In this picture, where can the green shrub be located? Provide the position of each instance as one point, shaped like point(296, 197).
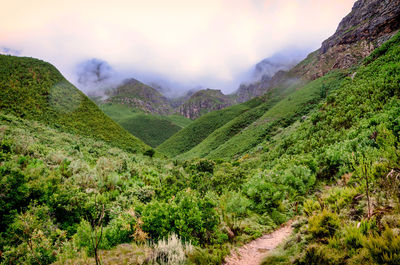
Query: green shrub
point(191, 218)
point(323, 225)
point(149, 152)
point(34, 238)
point(311, 206)
point(339, 198)
point(320, 254)
point(384, 249)
point(353, 238)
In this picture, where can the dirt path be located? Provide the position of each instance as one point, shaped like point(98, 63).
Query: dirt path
point(254, 252)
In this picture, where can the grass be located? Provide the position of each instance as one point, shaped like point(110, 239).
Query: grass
point(152, 129)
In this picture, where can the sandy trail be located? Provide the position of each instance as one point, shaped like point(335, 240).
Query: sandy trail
point(254, 252)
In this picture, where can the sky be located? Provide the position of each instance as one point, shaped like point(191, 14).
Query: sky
point(208, 43)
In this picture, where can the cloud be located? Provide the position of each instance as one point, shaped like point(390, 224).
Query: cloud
point(208, 42)
point(9, 51)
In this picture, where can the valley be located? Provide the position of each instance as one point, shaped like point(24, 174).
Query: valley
point(300, 166)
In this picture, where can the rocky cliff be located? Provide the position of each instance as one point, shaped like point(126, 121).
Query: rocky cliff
point(369, 24)
point(252, 90)
point(204, 101)
point(137, 95)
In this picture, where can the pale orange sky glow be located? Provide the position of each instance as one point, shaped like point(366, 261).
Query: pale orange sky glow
point(208, 42)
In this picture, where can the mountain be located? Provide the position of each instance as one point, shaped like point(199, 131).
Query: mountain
point(142, 111)
point(369, 25)
point(265, 73)
point(33, 89)
point(204, 101)
point(295, 89)
point(135, 94)
point(260, 87)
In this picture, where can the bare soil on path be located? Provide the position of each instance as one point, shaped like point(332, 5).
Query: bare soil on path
point(255, 251)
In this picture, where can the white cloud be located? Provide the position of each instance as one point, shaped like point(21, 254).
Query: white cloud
point(208, 42)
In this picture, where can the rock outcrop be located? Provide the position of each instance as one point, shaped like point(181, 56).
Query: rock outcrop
point(369, 25)
point(137, 95)
point(204, 101)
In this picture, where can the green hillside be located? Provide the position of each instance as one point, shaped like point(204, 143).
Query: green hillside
point(33, 89)
point(352, 138)
point(152, 129)
point(198, 130)
point(281, 115)
point(239, 123)
point(213, 129)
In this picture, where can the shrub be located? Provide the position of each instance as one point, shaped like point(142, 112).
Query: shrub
point(317, 254)
point(191, 218)
point(310, 206)
point(384, 249)
point(204, 165)
point(84, 237)
point(149, 152)
point(353, 237)
point(339, 197)
point(34, 239)
point(264, 194)
point(323, 225)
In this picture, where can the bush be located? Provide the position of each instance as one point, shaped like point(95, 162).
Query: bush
point(149, 152)
point(191, 218)
point(384, 249)
point(310, 207)
point(317, 254)
point(34, 239)
point(323, 225)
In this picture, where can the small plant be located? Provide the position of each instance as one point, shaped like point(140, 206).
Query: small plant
point(171, 251)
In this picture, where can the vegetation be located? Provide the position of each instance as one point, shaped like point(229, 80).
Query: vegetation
point(216, 128)
point(293, 108)
point(355, 135)
point(328, 153)
point(196, 132)
point(152, 129)
point(33, 89)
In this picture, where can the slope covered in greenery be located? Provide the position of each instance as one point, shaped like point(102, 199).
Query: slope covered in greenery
point(242, 121)
point(281, 115)
point(152, 129)
point(353, 138)
point(34, 89)
point(227, 121)
point(198, 130)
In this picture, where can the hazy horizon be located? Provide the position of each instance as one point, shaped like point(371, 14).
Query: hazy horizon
point(184, 44)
